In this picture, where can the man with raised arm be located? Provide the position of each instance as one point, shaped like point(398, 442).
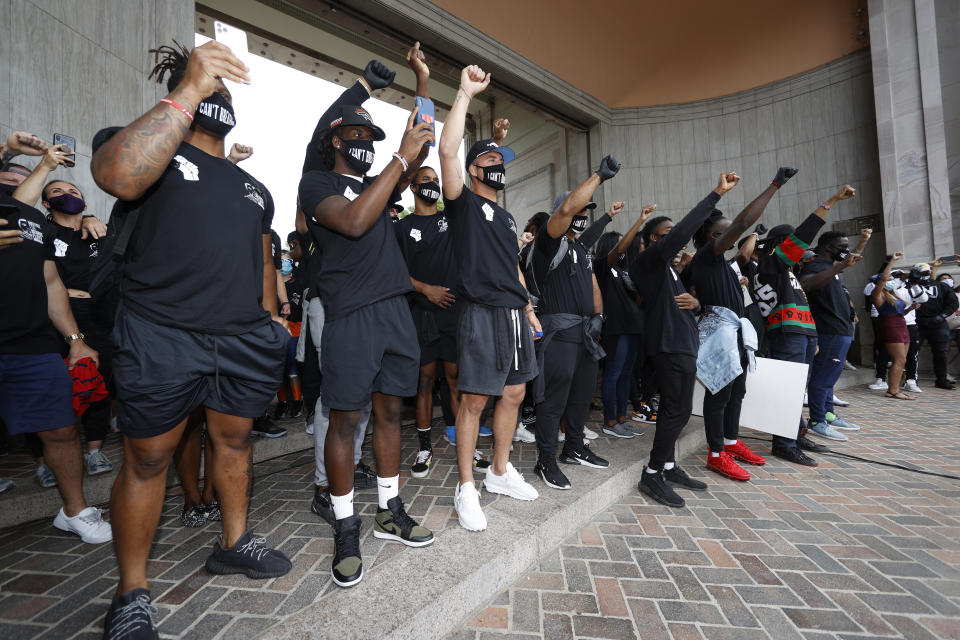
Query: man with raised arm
point(369, 347)
point(791, 330)
point(495, 354)
point(187, 336)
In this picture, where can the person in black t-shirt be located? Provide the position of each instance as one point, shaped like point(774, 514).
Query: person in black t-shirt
point(791, 332)
point(717, 287)
point(830, 305)
point(624, 322)
point(369, 344)
point(571, 314)
point(671, 339)
point(427, 246)
point(494, 342)
point(187, 336)
point(289, 397)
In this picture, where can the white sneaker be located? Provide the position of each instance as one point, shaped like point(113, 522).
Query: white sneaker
point(837, 402)
point(879, 385)
point(805, 403)
point(466, 500)
point(510, 484)
point(522, 434)
point(590, 434)
point(88, 524)
point(912, 386)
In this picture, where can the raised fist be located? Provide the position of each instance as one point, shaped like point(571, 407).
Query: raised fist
point(209, 63)
point(378, 75)
point(473, 80)
point(615, 208)
point(846, 193)
point(417, 61)
point(897, 255)
point(784, 174)
point(728, 180)
point(609, 167)
point(761, 230)
point(866, 233)
point(500, 128)
point(239, 152)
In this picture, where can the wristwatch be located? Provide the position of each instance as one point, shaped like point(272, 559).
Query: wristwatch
point(73, 337)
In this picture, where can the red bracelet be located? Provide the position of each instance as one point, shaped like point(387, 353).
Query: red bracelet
point(179, 107)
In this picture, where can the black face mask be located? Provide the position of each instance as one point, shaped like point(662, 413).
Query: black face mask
point(429, 192)
point(494, 176)
point(359, 155)
point(839, 255)
point(578, 224)
point(215, 114)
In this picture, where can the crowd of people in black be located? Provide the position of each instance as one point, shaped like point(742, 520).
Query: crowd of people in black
point(367, 307)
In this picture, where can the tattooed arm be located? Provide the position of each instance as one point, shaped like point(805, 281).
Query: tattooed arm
point(135, 157)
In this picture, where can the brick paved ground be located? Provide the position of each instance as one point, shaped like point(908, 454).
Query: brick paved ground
point(847, 550)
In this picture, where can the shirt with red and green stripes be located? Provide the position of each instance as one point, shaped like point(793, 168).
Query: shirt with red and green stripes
point(776, 289)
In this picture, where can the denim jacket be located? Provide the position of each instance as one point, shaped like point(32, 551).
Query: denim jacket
point(719, 356)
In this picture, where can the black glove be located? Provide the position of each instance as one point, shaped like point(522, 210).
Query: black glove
point(761, 230)
point(784, 174)
point(377, 75)
point(609, 167)
point(595, 325)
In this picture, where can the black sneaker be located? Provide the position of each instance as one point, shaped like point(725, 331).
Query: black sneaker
point(528, 416)
point(130, 617)
point(678, 477)
point(280, 411)
point(249, 556)
point(193, 517)
point(212, 511)
point(364, 477)
point(264, 427)
point(295, 410)
point(323, 506)
point(480, 463)
point(655, 486)
point(393, 523)
point(551, 475)
point(583, 456)
point(946, 384)
point(807, 444)
point(794, 455)
point(421, 467)
point(347, 566)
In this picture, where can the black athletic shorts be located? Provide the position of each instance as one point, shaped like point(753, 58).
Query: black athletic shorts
point(494, 349)
point(163, 373)
point(371, 350)
point(436, 333)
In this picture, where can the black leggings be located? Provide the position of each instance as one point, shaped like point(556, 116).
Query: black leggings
point(676, 374)
point(570, 378)
point(721, 412)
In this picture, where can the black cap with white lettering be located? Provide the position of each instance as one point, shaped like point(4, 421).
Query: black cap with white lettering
point(484, 147)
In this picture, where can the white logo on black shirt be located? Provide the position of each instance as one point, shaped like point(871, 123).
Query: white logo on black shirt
point(487, 211)
point(59, 248)
point(415, 234)
point(94, 250)
point(30, 230)
point(349, 194)
point(442, 224)
point(189, 170)
point(253, 194)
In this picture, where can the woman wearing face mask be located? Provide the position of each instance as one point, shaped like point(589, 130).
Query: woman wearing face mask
point(624, 325)
point(893, 327)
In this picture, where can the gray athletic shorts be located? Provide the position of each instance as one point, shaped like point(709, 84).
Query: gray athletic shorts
point(494, 349)
point(371, 350)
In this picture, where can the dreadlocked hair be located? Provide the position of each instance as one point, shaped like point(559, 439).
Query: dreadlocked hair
point(702, 235)
point(170, 60)
point(325, 148)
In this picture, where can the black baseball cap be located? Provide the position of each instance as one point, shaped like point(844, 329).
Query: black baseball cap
point(563, 196)
point(352, 115)
point(483, 147)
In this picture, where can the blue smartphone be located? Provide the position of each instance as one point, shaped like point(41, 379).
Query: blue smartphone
point(425, 114)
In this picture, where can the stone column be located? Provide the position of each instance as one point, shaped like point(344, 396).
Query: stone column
point(910, 130)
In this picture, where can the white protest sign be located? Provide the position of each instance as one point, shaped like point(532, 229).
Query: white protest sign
point(774, 400)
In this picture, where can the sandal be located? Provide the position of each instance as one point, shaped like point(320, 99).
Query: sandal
point(900, 396)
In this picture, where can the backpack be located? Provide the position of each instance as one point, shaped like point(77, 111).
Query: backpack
point(108, 266)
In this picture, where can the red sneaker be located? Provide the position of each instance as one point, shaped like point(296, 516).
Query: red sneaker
point(742, 452)
point(725, 466)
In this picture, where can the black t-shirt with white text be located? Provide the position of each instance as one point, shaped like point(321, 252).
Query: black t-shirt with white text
point(353, 272)
point(74, 256)
point(25, 325)
point(486, 243)
point(830, 305)
point(195, 260)
point(714, 280)
point(276, 249)
point(428, 249)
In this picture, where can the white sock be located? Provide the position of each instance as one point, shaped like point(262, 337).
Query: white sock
point(649, 470)
point(714, 454)
point(387, 489)
point(728, 442)
point(342, 505)
point(669, 465)
point(423, 428)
